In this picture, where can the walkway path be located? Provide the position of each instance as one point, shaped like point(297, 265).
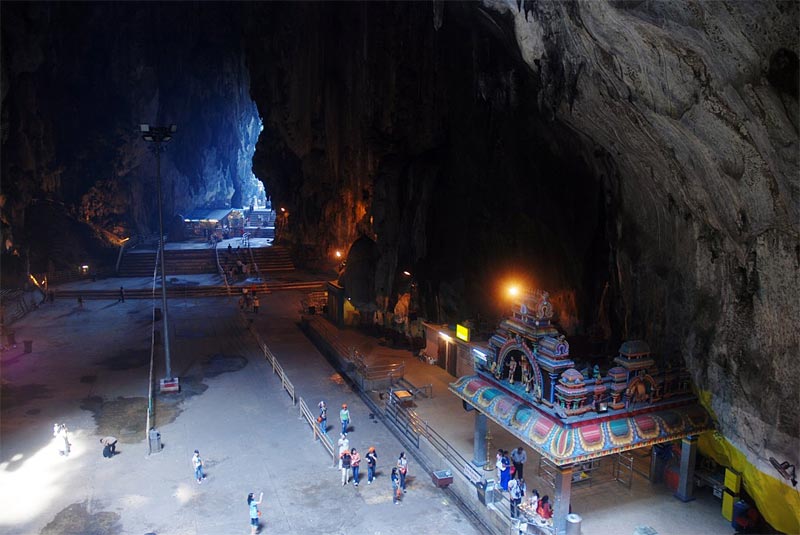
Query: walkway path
point(89, 370)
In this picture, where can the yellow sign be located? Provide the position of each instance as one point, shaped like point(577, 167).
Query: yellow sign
point(462, 333)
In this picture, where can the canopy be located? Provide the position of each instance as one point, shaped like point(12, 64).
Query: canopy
point(565, 444)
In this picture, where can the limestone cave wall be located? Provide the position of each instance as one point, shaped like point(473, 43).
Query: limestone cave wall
point(77, 80)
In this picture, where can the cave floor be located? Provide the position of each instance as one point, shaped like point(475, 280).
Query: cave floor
point(89, 369)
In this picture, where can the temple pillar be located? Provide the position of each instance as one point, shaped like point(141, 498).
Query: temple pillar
point(479, 442)
point(685, 491)
point(553, 380)
point(561, 499)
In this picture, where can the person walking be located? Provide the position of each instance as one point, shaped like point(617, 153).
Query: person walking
point(197, 463)
point(518, 457)
point(253, 504)
point(395, 478)
point(344, 417)
point(80, 302)
point(514, 496)
point(322, 419)
point(345, 460)
point(505, 472)
point(372, 460)
point(109, 446)
point(62, 440)
point(355, 462)
point(121, 298)
point(402, 470)
point(256, 304)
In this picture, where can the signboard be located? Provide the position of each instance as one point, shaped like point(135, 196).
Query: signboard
point(462, 333)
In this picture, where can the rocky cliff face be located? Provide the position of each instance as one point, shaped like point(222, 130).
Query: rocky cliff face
point(639, 159)
point(77, 81)
point(697, 105)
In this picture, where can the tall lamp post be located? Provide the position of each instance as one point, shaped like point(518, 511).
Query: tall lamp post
point(159, 135)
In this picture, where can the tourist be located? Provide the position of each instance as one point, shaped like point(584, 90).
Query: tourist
point(545, 510)
point(197, 463)
point(121, 298)
point(322, 419)
point(533, 501)
point(402, 469)
point(372, 460)
point(514, 496)
point(256, 304)
point(254, 512)
point(109, 446)
point(80, 302)
point(345, 460)
point(344, 445)
point(395, 485)
point(344, 417)
point(503, 466)
point(62, 440)
point(355, 462)
point(518, 457)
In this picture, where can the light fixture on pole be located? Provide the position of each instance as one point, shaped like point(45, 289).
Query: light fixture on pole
point(159, 135)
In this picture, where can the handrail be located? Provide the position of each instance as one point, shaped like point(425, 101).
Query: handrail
point(287, 385)
point(410, 420)
point(320, 435)
point(220, 270)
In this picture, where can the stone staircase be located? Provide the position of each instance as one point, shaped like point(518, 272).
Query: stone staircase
point(183, 262)
point(137, 264)
point(262, 224)
point(272, 259)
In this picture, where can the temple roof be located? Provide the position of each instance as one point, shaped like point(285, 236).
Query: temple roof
point(565, 444)
point(634, 347)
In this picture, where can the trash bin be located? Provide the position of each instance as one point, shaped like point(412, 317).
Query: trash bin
point(442, 478)
point(28, 346)
point(574, 524)
point(486, 491)
point(739, 510)
point(155, 441)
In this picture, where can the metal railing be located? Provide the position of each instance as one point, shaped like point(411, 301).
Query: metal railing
point(320, 435)
point(412, 426)
point(278, 369)
point(405, 384)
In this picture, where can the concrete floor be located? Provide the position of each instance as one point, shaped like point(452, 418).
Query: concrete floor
point(89, 369)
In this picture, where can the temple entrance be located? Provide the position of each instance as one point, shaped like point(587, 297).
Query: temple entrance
point(448, 356)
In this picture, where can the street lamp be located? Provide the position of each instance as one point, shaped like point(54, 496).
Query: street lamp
point(159, 135)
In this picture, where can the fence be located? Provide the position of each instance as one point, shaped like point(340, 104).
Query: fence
point(278, 369)
point(287, 385)
point(320, 435)
point(412, 426)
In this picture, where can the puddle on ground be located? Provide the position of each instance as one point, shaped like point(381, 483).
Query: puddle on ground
point(126, 418)
point(126, 359)
point(337, 379)
point(77, 519)
point(218, 364)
